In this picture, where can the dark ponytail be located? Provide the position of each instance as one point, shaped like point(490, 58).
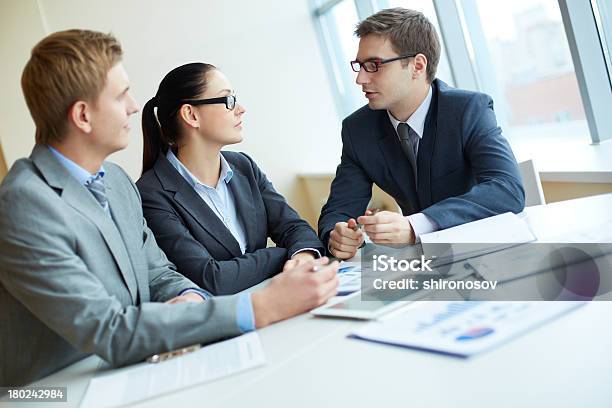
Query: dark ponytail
point(160, 132)
point(151, 135)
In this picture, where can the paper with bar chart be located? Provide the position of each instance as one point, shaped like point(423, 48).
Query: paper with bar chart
point(463, 328)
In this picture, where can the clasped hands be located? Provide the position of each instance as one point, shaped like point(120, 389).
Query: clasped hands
point(383, 227)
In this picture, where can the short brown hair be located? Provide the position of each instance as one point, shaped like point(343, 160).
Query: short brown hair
point(65, 67)
point(409, 31)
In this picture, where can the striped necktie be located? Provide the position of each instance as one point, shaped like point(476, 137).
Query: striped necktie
point(96, 187)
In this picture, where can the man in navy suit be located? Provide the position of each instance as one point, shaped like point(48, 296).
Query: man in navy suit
point(437, 150)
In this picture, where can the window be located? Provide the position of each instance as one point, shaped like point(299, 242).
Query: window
point(602, 11)
point(521, 52)
point(522, 59)
point(337, 24)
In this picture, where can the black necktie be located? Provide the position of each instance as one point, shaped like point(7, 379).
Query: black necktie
point(409, 141)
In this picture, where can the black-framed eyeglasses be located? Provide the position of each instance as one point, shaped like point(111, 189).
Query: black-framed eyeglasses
point(373, 64)
point(229, 101)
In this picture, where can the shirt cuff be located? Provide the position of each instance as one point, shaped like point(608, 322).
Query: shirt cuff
point(316, 252)
point(205, 294)
point(244, 313)
point(421, 224)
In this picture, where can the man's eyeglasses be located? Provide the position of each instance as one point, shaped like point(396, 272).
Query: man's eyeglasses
point(372, 65)
point(229, 101)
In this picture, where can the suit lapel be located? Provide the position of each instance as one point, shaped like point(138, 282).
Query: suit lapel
point(188, 198)
point(79, 198)
point(241, 190)
point(426, 151)
point(130, 231)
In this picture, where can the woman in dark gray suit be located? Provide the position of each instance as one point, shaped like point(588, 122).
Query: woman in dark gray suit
point(212, 211)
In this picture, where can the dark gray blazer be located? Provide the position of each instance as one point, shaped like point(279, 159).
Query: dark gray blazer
point(202, 247)
point(73, 282)
point(465, 167)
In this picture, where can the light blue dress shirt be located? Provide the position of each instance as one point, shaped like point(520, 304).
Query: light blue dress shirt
point(82, 175)
point(219, 199)
point(245, 317)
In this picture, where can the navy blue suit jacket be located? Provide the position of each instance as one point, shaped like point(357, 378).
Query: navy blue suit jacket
point(202, 247)
point(465, 167)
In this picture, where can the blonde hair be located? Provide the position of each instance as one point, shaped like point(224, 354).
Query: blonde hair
point(66, 67)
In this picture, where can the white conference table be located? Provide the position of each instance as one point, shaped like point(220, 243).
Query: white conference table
point(312, 363)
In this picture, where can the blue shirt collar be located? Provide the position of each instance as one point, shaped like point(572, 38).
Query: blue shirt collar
point(82, 175)
point(226, 170)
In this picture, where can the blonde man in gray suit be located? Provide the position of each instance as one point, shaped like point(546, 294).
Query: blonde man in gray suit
point(81, 272)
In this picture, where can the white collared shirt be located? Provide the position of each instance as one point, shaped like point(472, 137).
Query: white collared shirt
point(417, 120)
point(421, 224)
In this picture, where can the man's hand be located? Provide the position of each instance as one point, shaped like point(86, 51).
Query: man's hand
point(387, 227)
point(345, 239)
point(295, 291)
point(185, 298)
point(299, 259)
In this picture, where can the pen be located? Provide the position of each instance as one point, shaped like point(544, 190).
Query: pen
point(369, 211)
point(158, 358)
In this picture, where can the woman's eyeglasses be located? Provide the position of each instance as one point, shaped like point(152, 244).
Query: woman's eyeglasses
point(229, 101)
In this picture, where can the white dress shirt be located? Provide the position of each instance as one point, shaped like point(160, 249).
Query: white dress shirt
point(421, 224)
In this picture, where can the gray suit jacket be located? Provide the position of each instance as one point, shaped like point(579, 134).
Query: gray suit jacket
point(73, 282)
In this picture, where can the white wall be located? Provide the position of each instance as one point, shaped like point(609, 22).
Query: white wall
point(268, 49)
point(20, 28)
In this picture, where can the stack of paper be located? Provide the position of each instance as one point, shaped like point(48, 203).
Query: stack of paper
point(145, 380)
point(476, 238)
